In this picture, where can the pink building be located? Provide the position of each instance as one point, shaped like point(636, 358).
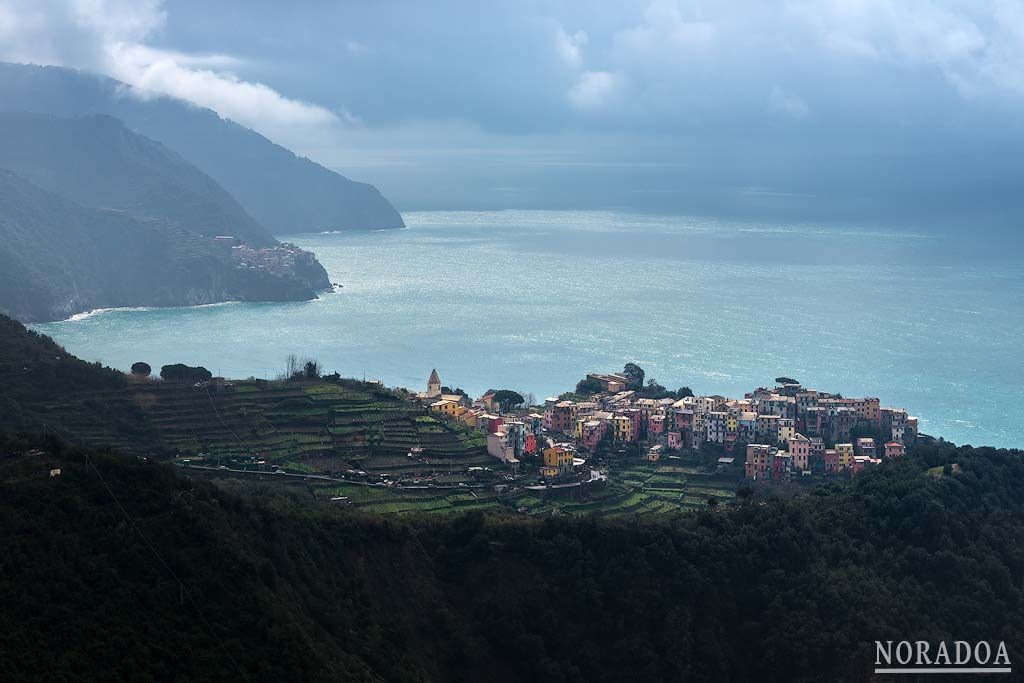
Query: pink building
point(593, 432)
point(894, 449)
point(782, 464)
point(758, 462)
point(800, 448)
point(491, 423)
point(675, 440)
point(656, 424)
point(563, 416)
point(861, 461)
point(684, 419)
point(831, 461)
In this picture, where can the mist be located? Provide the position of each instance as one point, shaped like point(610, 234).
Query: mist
point(891, 112)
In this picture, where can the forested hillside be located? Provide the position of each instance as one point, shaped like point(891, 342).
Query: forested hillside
point(58, 258)
point(179, 579)
point(43, 387)
point(96, 161)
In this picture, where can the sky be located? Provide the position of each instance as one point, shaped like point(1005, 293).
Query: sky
point(901, 111)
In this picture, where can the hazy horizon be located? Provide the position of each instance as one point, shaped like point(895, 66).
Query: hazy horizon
point(904, 113)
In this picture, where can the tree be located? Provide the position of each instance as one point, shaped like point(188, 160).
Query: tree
point(291, 366)
point(311, 369)
point(141, 369)
point(785, 380)
point(506, 398)
point(635, 374)
point(180, 372)
point(653, 390)
point(684, 392)
point(588, 386)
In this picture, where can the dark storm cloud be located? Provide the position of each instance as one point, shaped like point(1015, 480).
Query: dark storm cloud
point(825, 108)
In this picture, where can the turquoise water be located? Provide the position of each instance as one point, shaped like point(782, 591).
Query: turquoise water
point(533, 300)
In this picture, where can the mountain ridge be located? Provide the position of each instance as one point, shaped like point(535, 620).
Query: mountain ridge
point(58, 258)
point(282, 191)
point(96, 161)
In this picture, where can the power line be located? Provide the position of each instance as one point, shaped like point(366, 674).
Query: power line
point(221, 419)
point(183, 590)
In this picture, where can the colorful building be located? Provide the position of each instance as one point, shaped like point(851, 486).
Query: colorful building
point(868, 410)
point(563, 416)
point(502, 446)
point(893, 422)
point(758, 462)
point(591, 433)
point(622, 428)
point(768, 427)
point(831, 461)
point(489, 422)
point(558, 460)
point(468, 418)
point(800, 448)
point(612, 382)
point(787, 429)
point(861, 461)
point(845, 453)
point(715, 426)
point(781, 464)
point(656, 425)
point(895, 449)
point(447, 408)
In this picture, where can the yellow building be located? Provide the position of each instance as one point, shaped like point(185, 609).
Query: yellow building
point(622, 428)
point(844, 454)
point(557, 460)
point(447, 408)
point(786, 429)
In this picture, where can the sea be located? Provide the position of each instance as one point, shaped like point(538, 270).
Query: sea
point(926, 320)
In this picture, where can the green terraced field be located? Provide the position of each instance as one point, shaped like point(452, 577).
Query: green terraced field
point(613, 499)
point(316, 426)
point(307, 425)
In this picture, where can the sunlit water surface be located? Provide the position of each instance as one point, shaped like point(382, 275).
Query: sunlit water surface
point(533, 300)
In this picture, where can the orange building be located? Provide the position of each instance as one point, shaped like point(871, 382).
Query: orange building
point(558, 460)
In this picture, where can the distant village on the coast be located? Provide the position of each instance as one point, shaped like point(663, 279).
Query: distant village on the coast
point(780, 433)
